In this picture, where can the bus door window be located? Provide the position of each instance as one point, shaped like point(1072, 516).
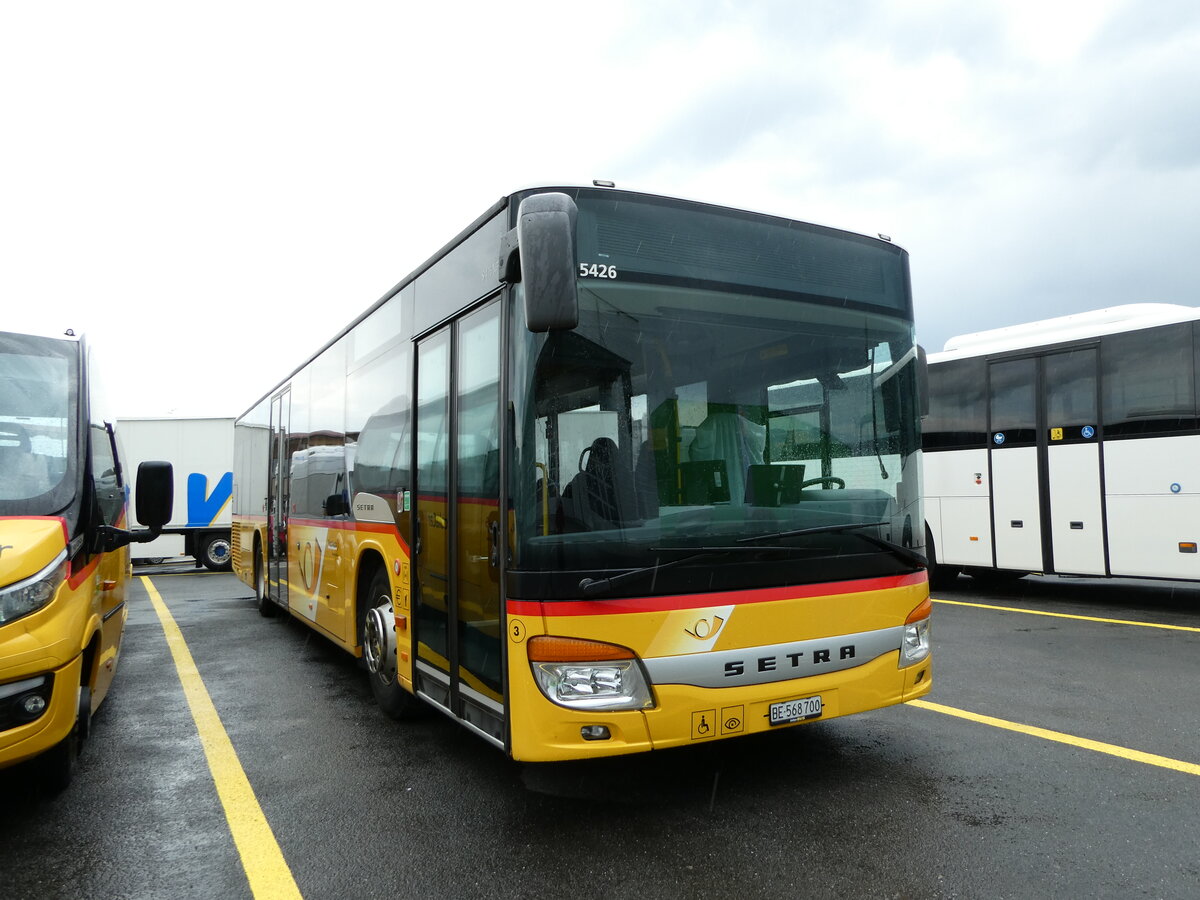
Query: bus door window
point(477, 506)
point(432, 500)
point(279, 497)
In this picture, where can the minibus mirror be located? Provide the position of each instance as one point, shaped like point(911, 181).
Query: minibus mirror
point(336, 505)
point(155, 494)
point(546, 244)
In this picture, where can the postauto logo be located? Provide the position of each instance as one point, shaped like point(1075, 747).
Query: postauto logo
point(204, 507)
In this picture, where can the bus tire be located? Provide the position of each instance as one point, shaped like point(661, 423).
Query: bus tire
point(995, 577)
point(58, 763)
point(376, 624)
point(266, 606)
point(941, 576)
point(216, 552)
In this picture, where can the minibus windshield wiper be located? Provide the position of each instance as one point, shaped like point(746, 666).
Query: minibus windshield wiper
point(593, 586)
point(906, 554)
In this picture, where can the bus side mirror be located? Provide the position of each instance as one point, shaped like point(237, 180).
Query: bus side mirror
point(922, 381)
point(155, 494)
point(544, 261)
point(336, 505)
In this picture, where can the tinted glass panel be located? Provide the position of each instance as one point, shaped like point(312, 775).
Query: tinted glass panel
point(690, 241)
point(1014, 402)
point(1071, 394)
point(1149, 385)
point(39, 387)
point(957, 410)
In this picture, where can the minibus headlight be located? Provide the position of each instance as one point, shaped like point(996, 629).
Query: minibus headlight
point(589, 675)
point(32, 594)
point(914, 647)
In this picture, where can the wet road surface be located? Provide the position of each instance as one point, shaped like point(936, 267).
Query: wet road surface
point(903, 802)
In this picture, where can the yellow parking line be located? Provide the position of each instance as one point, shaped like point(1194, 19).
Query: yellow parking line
point(1149, 759)
point(262, 859)
point(1040, 612)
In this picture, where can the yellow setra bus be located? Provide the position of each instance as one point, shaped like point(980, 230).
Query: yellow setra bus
point(611, 472)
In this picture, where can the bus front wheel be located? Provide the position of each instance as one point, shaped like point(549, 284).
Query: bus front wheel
point(58, 763)
point(266, 606)
point(377, 625)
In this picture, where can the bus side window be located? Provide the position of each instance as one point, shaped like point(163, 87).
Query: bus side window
point(110, 496)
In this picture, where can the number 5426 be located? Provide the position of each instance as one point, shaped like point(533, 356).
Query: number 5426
point(593, 270)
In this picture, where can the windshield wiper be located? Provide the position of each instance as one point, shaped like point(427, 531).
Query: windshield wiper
point(592, 586)
point(597, 585)
point(906, 554)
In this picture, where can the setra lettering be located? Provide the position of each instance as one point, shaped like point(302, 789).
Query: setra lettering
point(737, 667)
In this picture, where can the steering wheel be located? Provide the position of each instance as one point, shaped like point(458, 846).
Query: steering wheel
point(824, 479)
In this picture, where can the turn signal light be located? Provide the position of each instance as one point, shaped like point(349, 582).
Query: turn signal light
point(545, 648)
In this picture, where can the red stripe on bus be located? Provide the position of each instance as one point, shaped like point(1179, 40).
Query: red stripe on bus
point(59, 519)
point(342, 525)
point(696, 601)
point(75, 579)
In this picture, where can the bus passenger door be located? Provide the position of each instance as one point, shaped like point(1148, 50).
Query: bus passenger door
point(278, 498)
point(1013, 458)
point(1072, 435)
point(457, 614)
point(1047, 503)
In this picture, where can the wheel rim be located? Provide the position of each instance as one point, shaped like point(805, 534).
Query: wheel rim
point(218, 551)
point(379, 643)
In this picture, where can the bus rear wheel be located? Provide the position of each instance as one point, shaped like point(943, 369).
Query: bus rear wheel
point(377, 625)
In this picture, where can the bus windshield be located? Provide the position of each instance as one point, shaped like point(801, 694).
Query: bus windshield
point(677, 419)
point(39, 385)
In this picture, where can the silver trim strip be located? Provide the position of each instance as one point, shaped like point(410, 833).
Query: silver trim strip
point(19, 687)
point(774, 662)
point(480, 699)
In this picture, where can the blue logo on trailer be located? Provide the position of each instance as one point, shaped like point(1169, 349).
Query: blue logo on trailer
point(1176, 488)
point(998, 438)
point(1088, 431)
point(203, 507)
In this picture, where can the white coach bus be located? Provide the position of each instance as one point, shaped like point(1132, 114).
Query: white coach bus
point(1067, 446)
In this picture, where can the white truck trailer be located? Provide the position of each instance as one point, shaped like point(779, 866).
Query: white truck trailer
point(201, 453)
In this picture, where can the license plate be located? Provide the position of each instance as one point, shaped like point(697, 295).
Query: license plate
point(795, 710)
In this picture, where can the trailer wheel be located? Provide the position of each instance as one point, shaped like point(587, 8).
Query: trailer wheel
point(216, 552)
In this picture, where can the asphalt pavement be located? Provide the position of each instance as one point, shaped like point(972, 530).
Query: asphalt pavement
point(1080, 696)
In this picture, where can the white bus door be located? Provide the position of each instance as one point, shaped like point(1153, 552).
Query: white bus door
point(458, 621)
point(1071, 433)
point(1047, 507)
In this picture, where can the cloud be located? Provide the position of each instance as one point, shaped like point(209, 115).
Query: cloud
point(215, 191)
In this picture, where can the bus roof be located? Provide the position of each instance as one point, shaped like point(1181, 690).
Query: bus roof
point(1063, 329)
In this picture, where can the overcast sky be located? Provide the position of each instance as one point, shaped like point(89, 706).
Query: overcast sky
point(211, 191)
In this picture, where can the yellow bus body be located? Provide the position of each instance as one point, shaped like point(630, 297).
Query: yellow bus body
point(75, 638)
point(685, 714)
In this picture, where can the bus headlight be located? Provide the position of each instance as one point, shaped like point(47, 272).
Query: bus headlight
point(915, 645)
point(591, 675)
point(33, 593)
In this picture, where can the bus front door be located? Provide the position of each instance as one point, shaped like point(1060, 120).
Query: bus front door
point(1044, 456)
point(457, 618)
